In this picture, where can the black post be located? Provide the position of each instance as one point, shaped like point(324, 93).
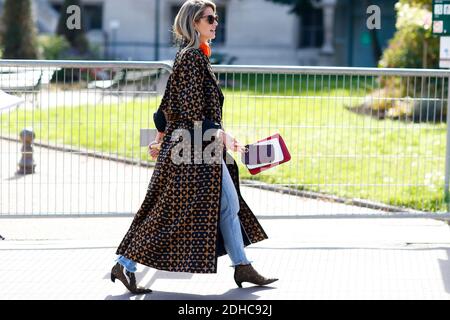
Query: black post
point(26, 164)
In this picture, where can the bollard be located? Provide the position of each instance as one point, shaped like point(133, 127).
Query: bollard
point(26, 164)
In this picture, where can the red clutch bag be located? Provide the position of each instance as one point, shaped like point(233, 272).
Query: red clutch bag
point(265, 154)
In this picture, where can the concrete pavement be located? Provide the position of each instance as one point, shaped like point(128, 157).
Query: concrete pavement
point(70, 258)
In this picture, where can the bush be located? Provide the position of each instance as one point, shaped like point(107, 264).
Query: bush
point(52, 47)
point(56, 47)
point(413, 45)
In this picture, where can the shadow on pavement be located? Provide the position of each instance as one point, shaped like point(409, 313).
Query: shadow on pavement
point(16, 177)
point(232, 294)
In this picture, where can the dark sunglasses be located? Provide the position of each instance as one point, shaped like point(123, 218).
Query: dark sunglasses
point(211, 18)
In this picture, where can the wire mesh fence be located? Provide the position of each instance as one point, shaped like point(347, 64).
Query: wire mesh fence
point(364, 142)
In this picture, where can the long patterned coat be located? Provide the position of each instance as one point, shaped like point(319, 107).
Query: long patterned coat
point(177, 225)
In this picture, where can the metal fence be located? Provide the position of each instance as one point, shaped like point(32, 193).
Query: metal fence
point(364, 142)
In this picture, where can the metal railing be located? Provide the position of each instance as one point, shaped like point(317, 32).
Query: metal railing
point(364, 142)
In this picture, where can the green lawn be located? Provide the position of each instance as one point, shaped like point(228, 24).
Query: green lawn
point(333, 150)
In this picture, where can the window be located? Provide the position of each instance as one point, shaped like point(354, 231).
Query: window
point(220, 36)
point(221, 30)
point(311, 32)
point(92, 15)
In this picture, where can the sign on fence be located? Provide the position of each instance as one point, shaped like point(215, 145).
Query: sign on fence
point(441, 17)
point(444, 53)
point(441, 27)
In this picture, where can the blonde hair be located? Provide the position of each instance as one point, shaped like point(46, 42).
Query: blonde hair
point(183, 29)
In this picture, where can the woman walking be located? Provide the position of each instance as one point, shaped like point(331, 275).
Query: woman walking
point(193, 212)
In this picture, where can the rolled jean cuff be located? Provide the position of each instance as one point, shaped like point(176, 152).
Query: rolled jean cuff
point(128, 264)
point(242, 262)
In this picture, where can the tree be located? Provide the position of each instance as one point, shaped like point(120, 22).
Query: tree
point(19, 35)
point(75, 36)
point(425, 4)
point(413, 44)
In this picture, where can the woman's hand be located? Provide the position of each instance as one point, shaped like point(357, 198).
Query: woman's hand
point(153, 149)
point(231, 143)
point(155, 146)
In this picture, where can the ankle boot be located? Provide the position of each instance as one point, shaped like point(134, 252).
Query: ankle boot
point(246, 273)
point(127, 278)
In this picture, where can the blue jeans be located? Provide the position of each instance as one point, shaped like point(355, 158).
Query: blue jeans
point(230, 224)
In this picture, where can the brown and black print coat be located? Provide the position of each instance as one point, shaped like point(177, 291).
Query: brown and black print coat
point(177, 225)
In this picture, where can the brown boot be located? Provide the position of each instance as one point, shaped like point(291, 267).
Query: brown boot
point(127, 278)
point(246, 273)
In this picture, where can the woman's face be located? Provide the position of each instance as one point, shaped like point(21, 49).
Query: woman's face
point(207, 30)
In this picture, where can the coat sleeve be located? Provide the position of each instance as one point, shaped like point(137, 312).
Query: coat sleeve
point(159, 117)
point(191, 74)
point(160, 120)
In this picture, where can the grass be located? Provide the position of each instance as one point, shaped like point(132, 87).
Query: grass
point(333, 150)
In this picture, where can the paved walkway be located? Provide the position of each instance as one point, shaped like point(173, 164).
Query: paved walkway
point(70, 258)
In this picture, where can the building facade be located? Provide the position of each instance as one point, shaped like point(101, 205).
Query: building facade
point(256, 32)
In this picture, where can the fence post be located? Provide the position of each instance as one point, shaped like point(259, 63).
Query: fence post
point(447, 151)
